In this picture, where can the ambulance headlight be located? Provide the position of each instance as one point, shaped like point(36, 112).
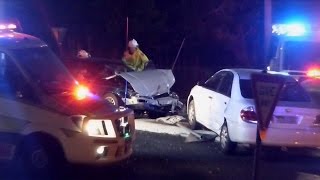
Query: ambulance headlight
point(93, 128)
point(100, 128)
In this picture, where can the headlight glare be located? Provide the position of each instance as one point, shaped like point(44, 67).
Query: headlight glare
point(100, 128)
point(93, 128)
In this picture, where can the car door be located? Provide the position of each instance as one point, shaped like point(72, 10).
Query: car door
point(221, 99)
point(19, 107)
point(206, 99)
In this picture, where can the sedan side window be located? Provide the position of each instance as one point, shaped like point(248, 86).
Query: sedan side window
point(226, 84)
point(213, 82)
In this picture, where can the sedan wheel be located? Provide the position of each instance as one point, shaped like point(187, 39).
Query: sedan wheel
point(113, 99)
point(226, 145)
point(192, 116)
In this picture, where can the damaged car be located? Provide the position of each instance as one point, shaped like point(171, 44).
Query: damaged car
point(148, 91)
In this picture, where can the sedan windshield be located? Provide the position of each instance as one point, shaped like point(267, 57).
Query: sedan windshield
point(42, 64)
point(291, 92)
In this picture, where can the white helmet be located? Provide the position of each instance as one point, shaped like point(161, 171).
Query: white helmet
point(83, 54)
point(133, 44)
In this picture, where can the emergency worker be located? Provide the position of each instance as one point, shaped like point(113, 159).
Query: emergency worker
point(134, 58)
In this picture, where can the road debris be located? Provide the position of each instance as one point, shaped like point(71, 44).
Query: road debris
point(172, 120)
point(198, 135)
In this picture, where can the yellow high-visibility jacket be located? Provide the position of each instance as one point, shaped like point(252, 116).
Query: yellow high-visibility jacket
point(136, 61)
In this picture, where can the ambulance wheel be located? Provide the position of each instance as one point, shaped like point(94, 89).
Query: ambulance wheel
point(226, 145)
point(113, 99)
point(41, 156)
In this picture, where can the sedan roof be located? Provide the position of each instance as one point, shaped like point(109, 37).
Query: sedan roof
point(246, 73)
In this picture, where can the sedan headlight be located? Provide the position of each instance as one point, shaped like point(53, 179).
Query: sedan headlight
point(100, 128)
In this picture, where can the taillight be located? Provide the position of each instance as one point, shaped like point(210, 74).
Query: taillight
point(248, 114)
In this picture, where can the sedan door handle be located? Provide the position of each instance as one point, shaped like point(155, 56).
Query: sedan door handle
point(210, 97)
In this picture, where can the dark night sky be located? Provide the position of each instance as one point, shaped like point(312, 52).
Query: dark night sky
point(231, 36)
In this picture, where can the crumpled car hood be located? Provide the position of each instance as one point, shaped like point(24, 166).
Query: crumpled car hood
point(150, 82)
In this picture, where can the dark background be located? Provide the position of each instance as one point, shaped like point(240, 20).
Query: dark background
point(219, 33)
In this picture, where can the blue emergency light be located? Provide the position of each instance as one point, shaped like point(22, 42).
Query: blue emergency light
point(289, 29)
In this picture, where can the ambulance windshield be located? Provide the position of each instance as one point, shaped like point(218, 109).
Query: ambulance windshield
point(301, 55)
point(42, 64)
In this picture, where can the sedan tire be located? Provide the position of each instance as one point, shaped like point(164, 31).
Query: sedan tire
point(192, 116)
point(113, 99)
point(226, 145)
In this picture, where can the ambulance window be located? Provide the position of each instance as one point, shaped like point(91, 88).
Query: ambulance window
point(12, 83)
point(5, 86)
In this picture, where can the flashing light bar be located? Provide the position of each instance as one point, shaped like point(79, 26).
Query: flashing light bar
point(314, 72)
point(8, 26)
point(289, 29)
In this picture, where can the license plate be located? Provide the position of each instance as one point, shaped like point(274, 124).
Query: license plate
point(286, 119)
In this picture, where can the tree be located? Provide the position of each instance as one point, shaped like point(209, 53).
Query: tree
point(235, 24)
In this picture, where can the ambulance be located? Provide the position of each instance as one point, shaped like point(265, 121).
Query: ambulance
point(295, 49)
point(47, 117)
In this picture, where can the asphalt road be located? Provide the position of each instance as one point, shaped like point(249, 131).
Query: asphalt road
point(160, 156)
point(163, 156)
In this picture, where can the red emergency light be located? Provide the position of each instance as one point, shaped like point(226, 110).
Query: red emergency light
point(81, 92)
point(314, 72)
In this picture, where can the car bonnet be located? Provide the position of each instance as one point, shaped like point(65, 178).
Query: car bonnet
point(150, 82)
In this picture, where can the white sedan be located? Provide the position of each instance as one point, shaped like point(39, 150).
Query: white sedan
point(225, 105)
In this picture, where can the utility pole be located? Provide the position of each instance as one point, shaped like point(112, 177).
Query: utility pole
point(127, 30)
point(267, 26)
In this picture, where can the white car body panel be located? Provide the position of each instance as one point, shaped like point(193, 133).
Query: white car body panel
point(221, 102)
point(293, 123)
point(201, 102)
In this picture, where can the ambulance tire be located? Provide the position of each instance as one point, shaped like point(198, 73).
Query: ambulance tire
point(113, 99)
point(42, 155)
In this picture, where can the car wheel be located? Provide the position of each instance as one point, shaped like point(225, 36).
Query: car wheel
point(113, 99)
point(192, 115)
point(226, 145)
point(41, 157)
